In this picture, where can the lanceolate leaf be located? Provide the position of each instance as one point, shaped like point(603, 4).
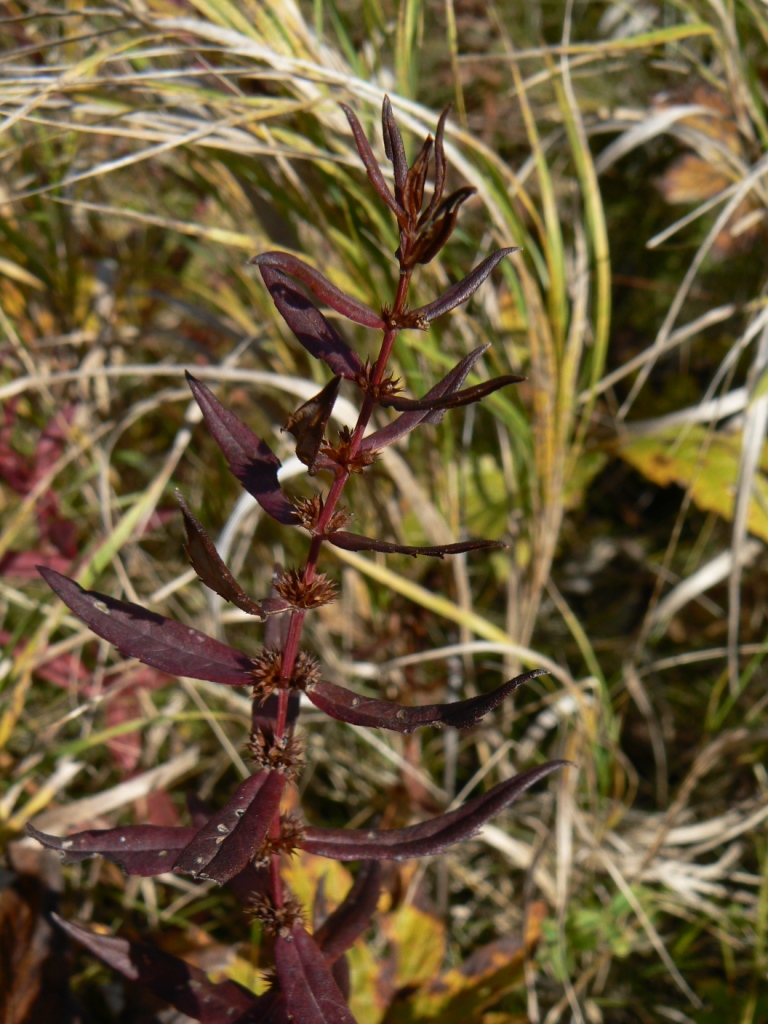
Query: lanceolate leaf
point(137, 849)
point(410, 420)
point(429, 837)
point(354, 542)
point(370, 163)
point(339, 932)
point(251, 460)
point(232, 837)
point(393, 145)
point(437, 193)
point(309, 325)
point(205, 560)
point(184, 986)
point(347, 706)
point(320, 286)
point(311, 994)
point(453, 401)
point(154, 640)
point(433, 236)
point(463, 289)
point(309, 421)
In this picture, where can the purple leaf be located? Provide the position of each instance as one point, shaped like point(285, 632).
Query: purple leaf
point(346, 924)
point(347, 706)
point(137, 849)
point(320, 286)
point(437, 194)
point(311, 994)
point(251, 460)
point(309, 421)
point(452, 401)
point(154, 640)
point(393, 146)
point(232, 837)
point(434, 235)
point(184, 986)
point(354, 542)
point(309, 325)
point(370, 163)
point(211, 570)
point(463, 289)
point(429, 837)
point(409, 420)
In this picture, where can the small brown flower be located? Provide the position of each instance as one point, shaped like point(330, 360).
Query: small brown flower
point(271, 754)
point(267, 672)
point(310, 510)
point(389, 385)
point(291, 834)
point(277, 920)
point(340, 453)
point(291, 587)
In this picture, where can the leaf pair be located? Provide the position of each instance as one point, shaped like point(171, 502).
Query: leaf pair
point(140, 849)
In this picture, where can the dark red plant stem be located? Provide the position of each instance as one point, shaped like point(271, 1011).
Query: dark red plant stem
point(293, 638)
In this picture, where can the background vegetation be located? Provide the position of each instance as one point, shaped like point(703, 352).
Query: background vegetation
point(149, 148)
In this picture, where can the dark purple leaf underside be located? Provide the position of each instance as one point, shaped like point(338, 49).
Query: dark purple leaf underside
point(210, 569)
point(429, 837)
point(320, 286)
point(250, 459)
point(370, 163)
point(347, 706)
point(232, 837)
point(354, 542)
point(463, 289)
point(311, 994)
point(345, 925)
point(437, 193)
point(452, 401)
point(183, 985)
point(309, 325)
point(137, 849)
point(154, 640)
point(409, 420)
point(393, 145)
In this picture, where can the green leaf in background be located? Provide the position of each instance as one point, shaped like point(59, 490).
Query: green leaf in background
point(706, 463)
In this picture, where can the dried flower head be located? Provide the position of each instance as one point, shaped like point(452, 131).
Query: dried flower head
point(288, 840)
point(277, 920)
point(310, 509)
point(267, 672)
point(274, 754)
point(341, 453)
point(291, 586)
point(388, 385)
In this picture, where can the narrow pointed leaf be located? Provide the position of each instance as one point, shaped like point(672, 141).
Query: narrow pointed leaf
point(183, 985)
point(311, 328)
point(413, 191)
point(346, 924)
point(137, 849)
point(311, 994)
point(250, 459)
point(354, 542)
point(454, 401)
point(429, 837)
point(437, 194)
point(309, 421)
point(319, 285)
point(348, 706)
point(404, 424)
point(393, 146)
point(232, 837)
point(162, 643)
point(211, 570)
point(465, 288)
point(370, 163)
point(434, 236)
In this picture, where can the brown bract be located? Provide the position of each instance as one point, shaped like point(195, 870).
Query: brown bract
point(267, 672)
point(276, 754)
point(292, 587)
